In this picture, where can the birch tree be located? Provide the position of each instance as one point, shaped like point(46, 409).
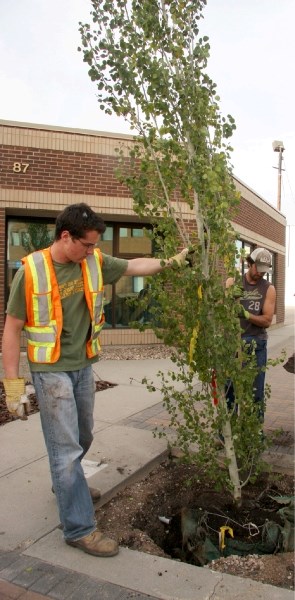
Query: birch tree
point(149, 63)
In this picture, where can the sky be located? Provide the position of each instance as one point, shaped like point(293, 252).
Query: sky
point(44, 80)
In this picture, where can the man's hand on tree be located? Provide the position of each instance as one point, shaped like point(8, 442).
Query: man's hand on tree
point(237, 291)
point(242, 312)
point(179, 260)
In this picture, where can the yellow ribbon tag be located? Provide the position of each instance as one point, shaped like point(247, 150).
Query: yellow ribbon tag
point(195, 333)
point(221, 535)
point(193, 342)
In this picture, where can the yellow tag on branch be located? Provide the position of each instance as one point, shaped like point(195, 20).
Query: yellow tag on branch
point(221, 534)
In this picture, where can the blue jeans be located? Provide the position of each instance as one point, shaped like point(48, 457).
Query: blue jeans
point(66, 401)
point(258, 385)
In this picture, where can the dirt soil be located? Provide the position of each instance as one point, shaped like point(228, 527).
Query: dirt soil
point(132, 517)
point(172, 489)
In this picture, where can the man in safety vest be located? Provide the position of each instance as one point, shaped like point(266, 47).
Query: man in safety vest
point(57, 298)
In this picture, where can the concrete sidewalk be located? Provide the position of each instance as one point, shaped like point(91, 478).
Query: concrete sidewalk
point(34, 560)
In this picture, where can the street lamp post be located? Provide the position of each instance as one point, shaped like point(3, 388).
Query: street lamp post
point(279, 147)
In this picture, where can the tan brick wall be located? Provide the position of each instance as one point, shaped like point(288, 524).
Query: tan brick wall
point(260, 222)
point(58, 171)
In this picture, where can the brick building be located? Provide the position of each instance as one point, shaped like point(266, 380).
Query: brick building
point(44, 168)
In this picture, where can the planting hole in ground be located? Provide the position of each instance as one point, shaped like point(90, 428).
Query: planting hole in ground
point(174, 513)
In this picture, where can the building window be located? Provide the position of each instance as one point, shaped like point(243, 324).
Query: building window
point(137, 284)
point(271, 276)
point(126, 242)
point(137, 232)
point(123, 232)
point(23, 237)
point(107, 236)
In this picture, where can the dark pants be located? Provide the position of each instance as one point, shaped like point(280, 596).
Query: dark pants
point(258, 385)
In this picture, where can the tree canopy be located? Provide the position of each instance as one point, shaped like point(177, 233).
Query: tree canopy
point(150, 65)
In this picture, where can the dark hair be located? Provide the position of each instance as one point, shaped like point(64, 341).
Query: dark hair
point(249, 260)
point(78, 218)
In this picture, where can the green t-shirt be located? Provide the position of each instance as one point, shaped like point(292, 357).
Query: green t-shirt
point(76, 318)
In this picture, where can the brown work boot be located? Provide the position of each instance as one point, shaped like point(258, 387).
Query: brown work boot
point(95, 493)
point(96, 543)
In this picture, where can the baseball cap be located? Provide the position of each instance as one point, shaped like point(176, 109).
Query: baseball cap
point(262, 259)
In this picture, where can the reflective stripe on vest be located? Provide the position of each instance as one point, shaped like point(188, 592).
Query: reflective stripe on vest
point(93, 286)
point(44, 309)
point(41, 300)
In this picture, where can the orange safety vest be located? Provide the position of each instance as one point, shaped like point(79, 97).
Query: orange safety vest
point(44, 309)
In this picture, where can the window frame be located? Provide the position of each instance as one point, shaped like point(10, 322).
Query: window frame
point(116, 225)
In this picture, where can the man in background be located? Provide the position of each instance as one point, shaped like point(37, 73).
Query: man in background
point(258, 298)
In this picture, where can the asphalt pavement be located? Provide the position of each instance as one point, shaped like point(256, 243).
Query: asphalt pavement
point(35, 563)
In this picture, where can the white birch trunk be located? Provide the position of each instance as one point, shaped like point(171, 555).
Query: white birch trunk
point(232, 462)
